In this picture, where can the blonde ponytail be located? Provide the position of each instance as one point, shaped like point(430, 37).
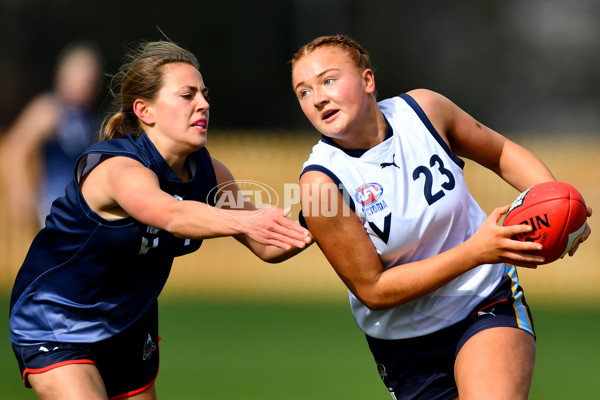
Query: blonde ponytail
point(119, 124)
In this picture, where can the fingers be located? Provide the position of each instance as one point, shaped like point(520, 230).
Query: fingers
point(286, 242)
point(521, 253)
point(573, 249)
point(291, 228)
point(503, 209)
point(530, 266)
point(515, 230)
point(522, 259)
point(281, 232)
point(498, 213)
point(586, 233)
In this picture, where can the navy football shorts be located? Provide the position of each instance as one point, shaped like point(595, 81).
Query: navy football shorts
point(423, 367)
point(127, 362)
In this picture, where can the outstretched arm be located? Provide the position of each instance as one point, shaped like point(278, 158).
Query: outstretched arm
point(119, 187)
point(265, 252)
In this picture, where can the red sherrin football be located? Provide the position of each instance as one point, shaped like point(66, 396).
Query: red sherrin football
point(557, 213)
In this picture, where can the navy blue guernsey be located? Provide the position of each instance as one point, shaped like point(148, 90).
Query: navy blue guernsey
point(86, 278)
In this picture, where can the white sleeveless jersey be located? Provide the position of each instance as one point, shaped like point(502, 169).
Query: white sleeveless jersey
point(410, 194)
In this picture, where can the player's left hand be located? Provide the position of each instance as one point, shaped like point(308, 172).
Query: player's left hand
point(586, 233)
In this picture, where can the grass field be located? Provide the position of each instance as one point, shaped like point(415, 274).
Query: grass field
point(290, 351)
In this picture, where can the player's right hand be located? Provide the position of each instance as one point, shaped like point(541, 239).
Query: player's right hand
point(495, 243)
point(272, 227)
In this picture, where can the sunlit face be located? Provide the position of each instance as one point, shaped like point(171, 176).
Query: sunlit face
point(333, 93)
point(180, 111)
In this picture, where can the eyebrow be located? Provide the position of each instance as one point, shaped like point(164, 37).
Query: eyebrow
point(203, 89)
point(189, 87)
point(319, 75)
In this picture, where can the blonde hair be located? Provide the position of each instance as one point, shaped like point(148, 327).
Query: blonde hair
point(358, 55)
point(140, 77)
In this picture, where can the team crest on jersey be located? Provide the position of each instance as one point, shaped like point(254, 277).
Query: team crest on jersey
point(369, 196)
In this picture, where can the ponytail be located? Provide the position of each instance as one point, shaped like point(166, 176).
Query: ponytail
point(118, 124)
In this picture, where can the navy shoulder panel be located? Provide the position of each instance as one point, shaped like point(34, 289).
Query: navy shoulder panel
point(419, 111)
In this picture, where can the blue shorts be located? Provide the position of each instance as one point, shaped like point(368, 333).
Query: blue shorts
point(423, 367)
point(127, 362)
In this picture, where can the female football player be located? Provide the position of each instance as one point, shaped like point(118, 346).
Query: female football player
point(83, 313)
point(432, 280)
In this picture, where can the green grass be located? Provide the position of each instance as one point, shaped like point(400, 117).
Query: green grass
point(300, 351)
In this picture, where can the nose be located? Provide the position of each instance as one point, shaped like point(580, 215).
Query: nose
point(319, 97)
point(202, 103)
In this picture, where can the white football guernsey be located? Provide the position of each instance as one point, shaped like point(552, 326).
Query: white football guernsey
point(410, 194)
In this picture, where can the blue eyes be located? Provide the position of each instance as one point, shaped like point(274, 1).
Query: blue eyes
point(328, 81)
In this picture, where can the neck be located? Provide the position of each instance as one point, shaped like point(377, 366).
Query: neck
point(366, 134)
point(174, 158)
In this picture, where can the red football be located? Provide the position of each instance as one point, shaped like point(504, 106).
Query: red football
point(557, 213)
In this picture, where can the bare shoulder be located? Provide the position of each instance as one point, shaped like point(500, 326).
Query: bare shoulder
point(429, 100)
point(315, 177)
point(438, 108)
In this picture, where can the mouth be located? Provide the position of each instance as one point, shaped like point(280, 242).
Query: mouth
point(202, 124)
point(329, 114)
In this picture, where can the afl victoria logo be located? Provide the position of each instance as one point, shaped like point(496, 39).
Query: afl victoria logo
point(368, 193)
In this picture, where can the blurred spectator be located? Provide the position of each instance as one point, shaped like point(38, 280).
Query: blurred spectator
point(41, 146)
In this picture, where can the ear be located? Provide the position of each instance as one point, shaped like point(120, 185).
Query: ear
point(369, 80)
point(143, 111)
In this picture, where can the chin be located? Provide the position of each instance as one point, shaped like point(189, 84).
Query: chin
point(332, 133)
point(200, 143)
point(331, 129)
point(200, 139)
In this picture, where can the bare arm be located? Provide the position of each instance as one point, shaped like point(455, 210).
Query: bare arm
point(471, 139)
point(347, 246)
point(21, 152)
point(120, 187)
point(268, 253)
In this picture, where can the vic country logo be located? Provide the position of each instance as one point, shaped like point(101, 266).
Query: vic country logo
point(368, 193)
